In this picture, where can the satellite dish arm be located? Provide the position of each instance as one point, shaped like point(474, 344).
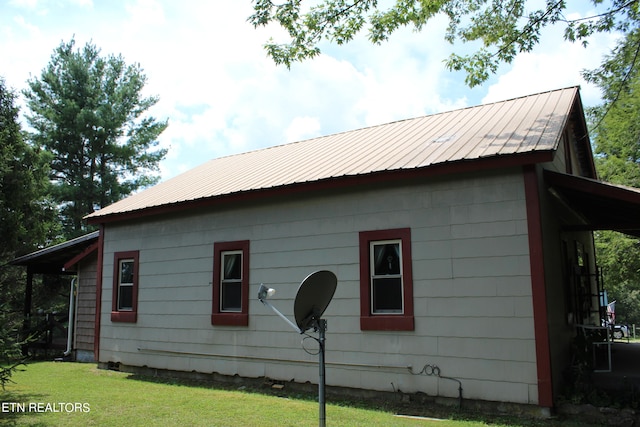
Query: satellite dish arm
point(275, 310)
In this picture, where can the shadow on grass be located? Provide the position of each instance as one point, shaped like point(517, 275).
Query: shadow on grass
point(15, 405)
point(399, 403)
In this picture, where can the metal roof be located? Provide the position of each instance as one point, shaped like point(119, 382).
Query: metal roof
point(522, 125)
point(53, 258)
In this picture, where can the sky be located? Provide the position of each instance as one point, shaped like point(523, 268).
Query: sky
point(222, 95)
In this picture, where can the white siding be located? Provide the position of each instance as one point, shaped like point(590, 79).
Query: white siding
point(472, 291)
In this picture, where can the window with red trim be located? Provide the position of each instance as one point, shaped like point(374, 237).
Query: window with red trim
point(124, 306)
point(386, 280)
point(231, 283)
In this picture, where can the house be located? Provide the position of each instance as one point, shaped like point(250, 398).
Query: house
point(462, 243)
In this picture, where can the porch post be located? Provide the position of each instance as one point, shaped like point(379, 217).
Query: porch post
point(26, 322)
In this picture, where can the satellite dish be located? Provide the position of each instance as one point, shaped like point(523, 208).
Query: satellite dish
point(313, 297)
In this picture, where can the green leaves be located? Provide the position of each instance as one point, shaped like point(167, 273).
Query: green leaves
point(501, 28)
point(477, 66)
point(27, 223)
point(11, 357)
point(335, 20)
point(615, 132)
point(89, 113)
point(26, 214)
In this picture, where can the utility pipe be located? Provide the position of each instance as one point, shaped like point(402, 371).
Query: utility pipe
point(72, 306)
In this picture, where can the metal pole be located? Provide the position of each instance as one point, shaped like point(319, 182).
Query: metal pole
point(322, 327)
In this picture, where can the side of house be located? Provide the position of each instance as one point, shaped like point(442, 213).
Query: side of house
point(462, 243)
point(85, 310)
point(469, 310)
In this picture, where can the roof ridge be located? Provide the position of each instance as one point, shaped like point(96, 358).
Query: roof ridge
point(286, 144)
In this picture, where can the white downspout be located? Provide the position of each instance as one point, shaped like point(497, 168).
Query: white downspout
point(72, 306)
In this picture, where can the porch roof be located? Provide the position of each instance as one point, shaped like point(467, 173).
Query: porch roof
point(53, 259)
point(602, 205)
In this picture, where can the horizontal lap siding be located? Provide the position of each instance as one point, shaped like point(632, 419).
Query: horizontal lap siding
point(86, 305)
point(472, 291)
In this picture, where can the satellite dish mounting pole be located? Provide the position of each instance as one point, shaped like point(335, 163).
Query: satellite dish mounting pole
point(313, 297)
point(321, 326)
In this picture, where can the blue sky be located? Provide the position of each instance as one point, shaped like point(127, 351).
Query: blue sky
point(222, 95)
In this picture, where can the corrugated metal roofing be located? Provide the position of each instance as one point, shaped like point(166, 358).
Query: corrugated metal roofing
point(58, 254)
point(521, 125)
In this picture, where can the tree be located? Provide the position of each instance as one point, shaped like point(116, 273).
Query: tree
point(27, 222)
point(26, 215)
point(619, 257)
point(502, 28)
point(615, 129)
point(89, 113)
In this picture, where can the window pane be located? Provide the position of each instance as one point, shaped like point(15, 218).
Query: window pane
point(231, 298)
point(126, 271)
point(232, 263)
point(386, 259)
point(387, 295)
point(125, 298)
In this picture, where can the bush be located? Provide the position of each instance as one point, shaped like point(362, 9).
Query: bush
point(11, 357)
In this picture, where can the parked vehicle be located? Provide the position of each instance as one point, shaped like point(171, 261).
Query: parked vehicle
point(620, 331)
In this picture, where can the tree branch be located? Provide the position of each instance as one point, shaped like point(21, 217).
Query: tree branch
point(623, 85)
point(607, 13)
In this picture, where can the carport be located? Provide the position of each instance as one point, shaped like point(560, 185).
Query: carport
point(603, 206)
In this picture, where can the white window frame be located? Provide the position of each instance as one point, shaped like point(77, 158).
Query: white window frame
point(122, 284)
point(224, 281)
point(373, 276)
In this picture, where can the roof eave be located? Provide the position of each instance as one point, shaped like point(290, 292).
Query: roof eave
point(577, 115)
point(342, 182)
point(34, 256)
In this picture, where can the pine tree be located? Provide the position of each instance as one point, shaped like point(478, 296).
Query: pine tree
point(27, 222)
point(89, 113)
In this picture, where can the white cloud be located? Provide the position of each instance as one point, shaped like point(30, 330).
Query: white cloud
point(22, 24)
point(144, 13)
point(302, 128)
point(223, 95)
point(539, 72)
point(27, 4)
point(553, 64)
point(82, 3)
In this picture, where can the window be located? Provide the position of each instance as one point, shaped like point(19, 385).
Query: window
point(386, 276)
point(231, 284)
point(231, 281)
point(125, 287)
point(386, 283)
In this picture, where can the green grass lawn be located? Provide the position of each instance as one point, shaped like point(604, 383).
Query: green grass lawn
point(74, 394)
